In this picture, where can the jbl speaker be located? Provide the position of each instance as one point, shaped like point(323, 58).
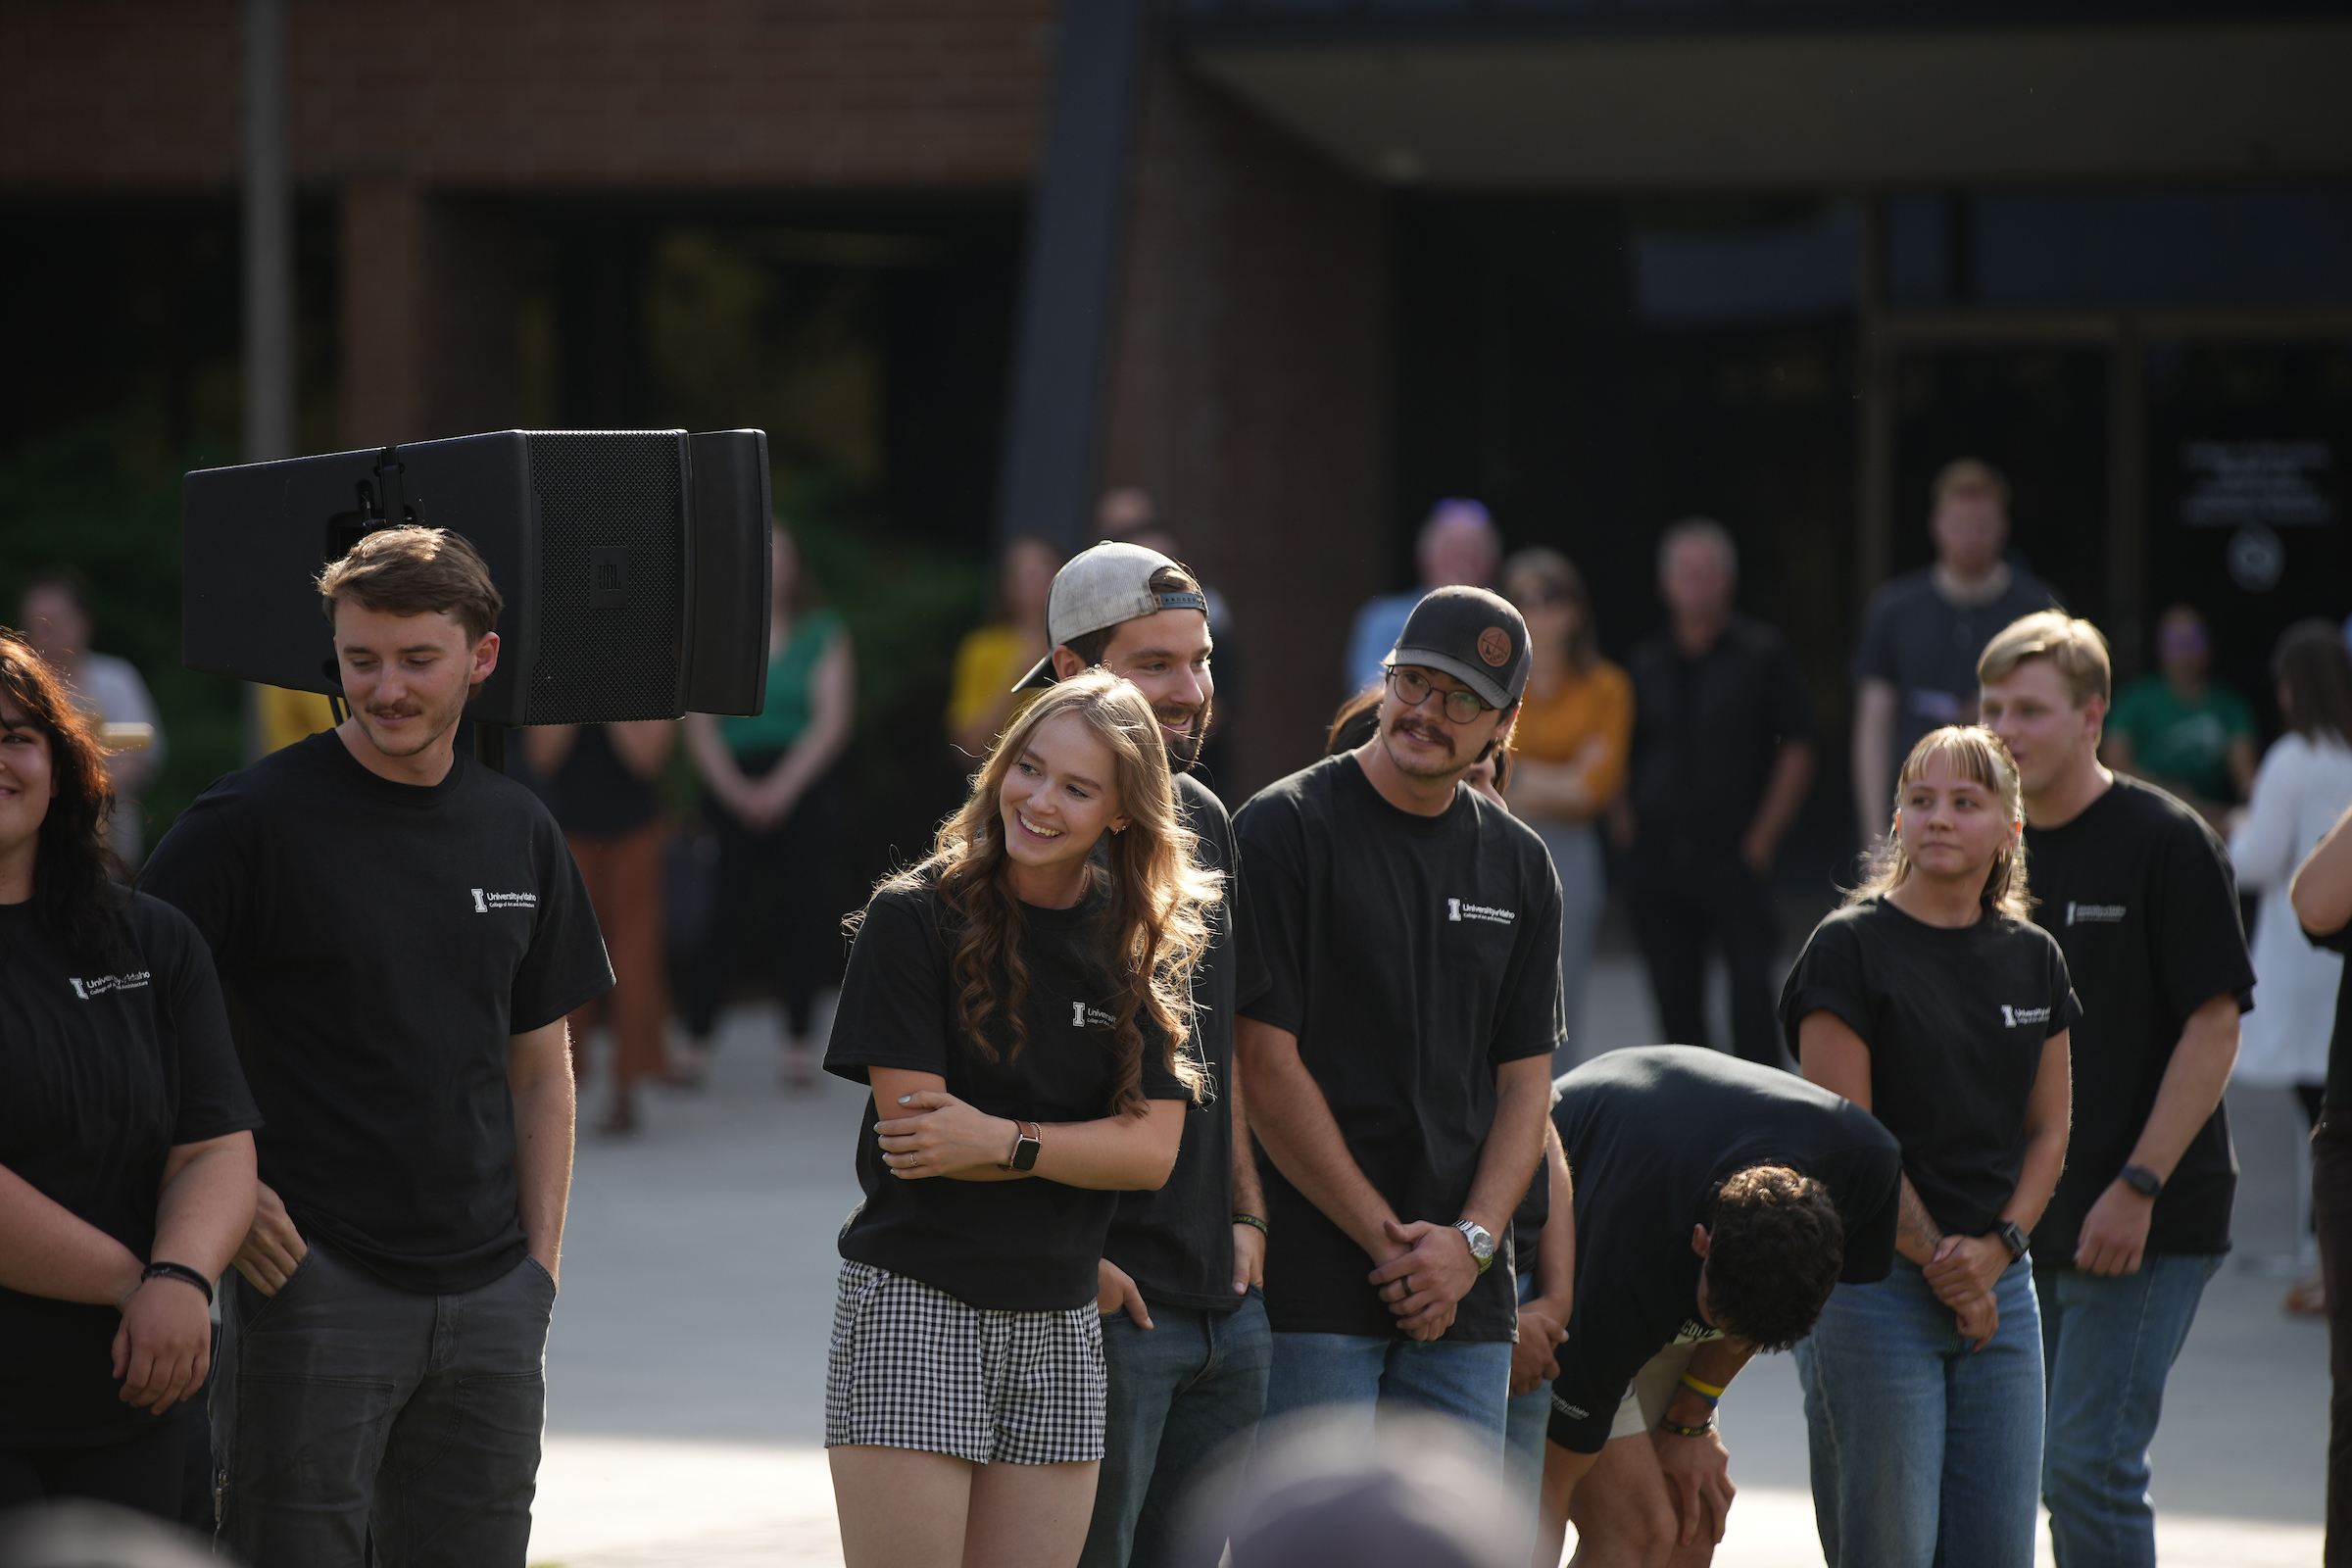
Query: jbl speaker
point(634, 565)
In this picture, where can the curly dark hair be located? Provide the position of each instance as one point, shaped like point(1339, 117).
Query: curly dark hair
point(1775, 1248)
point(77, 883)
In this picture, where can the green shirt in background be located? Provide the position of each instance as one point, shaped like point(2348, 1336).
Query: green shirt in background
point(2182, 743)
point(791, 671)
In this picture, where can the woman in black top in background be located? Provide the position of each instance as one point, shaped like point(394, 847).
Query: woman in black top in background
point(126, 1174)
point(1020, 1014)
point(1933, 1002)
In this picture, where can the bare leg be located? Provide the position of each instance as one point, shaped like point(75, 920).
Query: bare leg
point(1029, 1515)
point(1625, 1513)
point(902, 1507)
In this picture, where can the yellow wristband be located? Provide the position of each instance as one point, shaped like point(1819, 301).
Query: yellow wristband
point(1706, 1390)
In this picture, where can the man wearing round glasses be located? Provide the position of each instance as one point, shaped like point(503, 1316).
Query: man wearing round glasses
point(1395, 1032)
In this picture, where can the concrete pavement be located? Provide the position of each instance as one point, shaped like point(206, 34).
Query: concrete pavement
point(686, 1370)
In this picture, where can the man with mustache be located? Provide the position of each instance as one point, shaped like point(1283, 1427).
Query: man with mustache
point(1397, 1047)
point(399, 935)
point(1185, 1344)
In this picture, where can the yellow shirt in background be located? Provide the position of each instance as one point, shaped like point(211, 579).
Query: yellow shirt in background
point(289, 716)
point(1553, 729)
point(986, 663)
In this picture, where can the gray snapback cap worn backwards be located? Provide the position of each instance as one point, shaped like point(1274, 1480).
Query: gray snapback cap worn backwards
point(1471, 634)
point(1102, 587)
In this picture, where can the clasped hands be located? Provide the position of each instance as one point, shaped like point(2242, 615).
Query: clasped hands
point(935, 1134)
point(1428, 1276)
point(1962, 1274)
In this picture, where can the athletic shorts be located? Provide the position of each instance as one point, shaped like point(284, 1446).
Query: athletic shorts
point(1644, 1403)
point(912, 1367)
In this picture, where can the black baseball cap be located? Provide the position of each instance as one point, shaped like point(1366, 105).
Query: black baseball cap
point(1471, 634)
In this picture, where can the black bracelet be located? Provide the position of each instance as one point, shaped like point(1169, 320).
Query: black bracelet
point(1252, 1219)
point(1677, 1429)
point(180, 1272)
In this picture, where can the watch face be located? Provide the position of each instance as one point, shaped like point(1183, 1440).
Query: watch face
point(1481, 1239)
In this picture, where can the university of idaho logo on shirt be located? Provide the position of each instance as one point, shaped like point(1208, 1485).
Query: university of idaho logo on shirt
point(2093, 913)
point(106, 984)
point(1461, 909)
point(1083, 1016)
point(484, 903)
point(2017, 1017)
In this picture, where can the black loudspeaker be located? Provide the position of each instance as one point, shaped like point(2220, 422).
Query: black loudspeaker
point(634, 565)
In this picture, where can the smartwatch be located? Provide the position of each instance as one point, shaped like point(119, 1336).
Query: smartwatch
point(2013, 1238)
point(2141, 1180)
point(1027, 1141)
point(1481, 1239)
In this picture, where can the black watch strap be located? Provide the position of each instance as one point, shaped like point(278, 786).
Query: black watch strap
point(2014, 1238)
point(2141, 1180)
point(180, 1272)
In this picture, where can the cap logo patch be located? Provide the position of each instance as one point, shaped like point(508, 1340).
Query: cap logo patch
point(1495, 646)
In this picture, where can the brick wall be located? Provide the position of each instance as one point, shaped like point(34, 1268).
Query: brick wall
point(1248, 391)
point(513, 93)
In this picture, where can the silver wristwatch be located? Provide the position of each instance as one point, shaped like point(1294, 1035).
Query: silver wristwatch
point(1481, 1239)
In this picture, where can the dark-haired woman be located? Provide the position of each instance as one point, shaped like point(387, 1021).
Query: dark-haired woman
point(1932, 1001)
point(126, 1170)
point(2303, 786)
point(1019, 1013)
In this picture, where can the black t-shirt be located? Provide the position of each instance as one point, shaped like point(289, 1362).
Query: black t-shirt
point(1705, 733)
point(1955, 1019)
point(1026, 1245)
point(1650, 1132)
point(594, 792)
point(377, 943)
point(1178, 1242)
point(1927, 647)
point(103, 1069)
point(2338, 1094)
point(2141, 895)
point(1413, 955)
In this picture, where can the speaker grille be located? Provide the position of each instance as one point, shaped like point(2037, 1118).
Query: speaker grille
point(597, 490)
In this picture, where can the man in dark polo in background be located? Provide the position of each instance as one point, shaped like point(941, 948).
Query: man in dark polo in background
point(1722, 757)
point(1915, 664)
point(1395, 1039)
point(2140, 894)
point(400, 934)
point(1185, 1343)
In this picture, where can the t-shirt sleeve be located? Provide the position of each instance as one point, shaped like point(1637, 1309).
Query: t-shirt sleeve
point(1875, 653)
point(566, 964)
point(199, 871)
point(214, 1099)
point(1791, 708)
point(2066, 1008)
point(1873, 1181)
point(1159, 1082)
point(1273, 871)
point(1607, 1345)
point(2200, 945)
point(1828, 978)
point(1531, 1015)
point(893, 1010)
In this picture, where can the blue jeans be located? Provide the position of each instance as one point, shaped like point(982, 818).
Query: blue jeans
point(1924, 1452)
point(1177, 1394)
point(2108, 1343)
point(1470, 1383)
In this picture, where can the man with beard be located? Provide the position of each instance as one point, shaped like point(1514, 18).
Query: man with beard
point(1397, 1047)
point(1185, 1344)
point(400, 934)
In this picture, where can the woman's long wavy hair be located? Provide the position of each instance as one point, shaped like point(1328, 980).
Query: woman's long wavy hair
point(1156, 894)
point(77, 882)
point(1977, 753)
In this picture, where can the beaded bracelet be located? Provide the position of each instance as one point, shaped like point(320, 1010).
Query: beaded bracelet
point(1678, 1430)
point(1252, 1219)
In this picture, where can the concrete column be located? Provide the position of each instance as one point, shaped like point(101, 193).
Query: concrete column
point(1248, 391)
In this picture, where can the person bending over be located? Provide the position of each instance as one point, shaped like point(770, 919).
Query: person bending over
point(1020, 1016)
point(1716, 1204)
point(400, 934)
point(125, 1142)
point(1930, 1001)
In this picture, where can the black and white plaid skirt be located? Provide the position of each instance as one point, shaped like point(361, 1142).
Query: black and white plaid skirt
point(912, 1367)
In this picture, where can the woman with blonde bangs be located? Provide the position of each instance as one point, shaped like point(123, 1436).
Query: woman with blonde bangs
point(1933, 1002)
point(1020, 1012)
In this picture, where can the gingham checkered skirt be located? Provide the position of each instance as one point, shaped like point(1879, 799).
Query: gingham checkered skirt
point(912, 1367)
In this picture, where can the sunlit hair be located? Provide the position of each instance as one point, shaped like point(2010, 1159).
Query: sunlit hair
point(415, 571)
point(75, 874)
point(2074, 649)
point(1978, 755)
point(1153, 925)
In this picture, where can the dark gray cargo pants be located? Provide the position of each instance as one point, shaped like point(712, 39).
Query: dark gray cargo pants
point(345, 1410)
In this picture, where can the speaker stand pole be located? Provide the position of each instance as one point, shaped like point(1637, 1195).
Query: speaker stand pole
point(490, 746)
